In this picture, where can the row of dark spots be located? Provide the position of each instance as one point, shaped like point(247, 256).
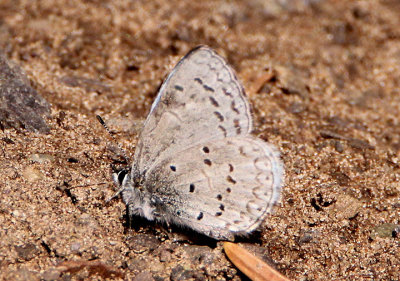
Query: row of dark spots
point(221, 207)
point(217, 214)
point(235, 109)
point(206, 87)
point(207, 161)
point(219, 196)
point(201, 215)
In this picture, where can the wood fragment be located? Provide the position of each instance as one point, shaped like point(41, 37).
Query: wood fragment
point(250, 265)
point(261, 81)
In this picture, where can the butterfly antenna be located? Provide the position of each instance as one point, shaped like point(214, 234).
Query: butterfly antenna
point(124, 155)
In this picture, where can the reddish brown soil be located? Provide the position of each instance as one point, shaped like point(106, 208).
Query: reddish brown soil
point(323, 78)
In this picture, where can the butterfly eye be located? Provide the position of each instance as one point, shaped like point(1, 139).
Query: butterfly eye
point(121, 176)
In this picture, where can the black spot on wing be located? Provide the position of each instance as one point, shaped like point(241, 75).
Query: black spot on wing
point(213, 101)
point(219, 116)
point(230, 179)
point(200, 216)
point(191, 187)
point(208, 88)
point(198, 80)
point(207, 162)
point(178, 88)
point(227, 93)
point(233, 107)
point(223, 130)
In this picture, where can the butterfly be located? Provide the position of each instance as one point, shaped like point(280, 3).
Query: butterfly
point(196, 164)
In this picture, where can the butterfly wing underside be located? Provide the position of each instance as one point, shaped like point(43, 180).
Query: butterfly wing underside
point(196, 157)
point(200, 100)
point(219, 188)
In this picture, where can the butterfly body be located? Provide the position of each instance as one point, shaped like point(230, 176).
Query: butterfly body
point(196, 163)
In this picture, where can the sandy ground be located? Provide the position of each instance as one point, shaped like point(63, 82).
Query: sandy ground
point(322, 76)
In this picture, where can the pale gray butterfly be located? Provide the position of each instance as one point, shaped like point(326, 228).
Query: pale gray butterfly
point(196, 164)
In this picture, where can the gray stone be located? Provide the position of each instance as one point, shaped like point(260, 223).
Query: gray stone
point(386, 230)
point(199, 254)
point(165, 256)
point(41, 158)
point(144, 276)
point(179, 273)
point(22, 274)
point(143, 242)
point(20, 105)
point(50, 275)
point(27, 252)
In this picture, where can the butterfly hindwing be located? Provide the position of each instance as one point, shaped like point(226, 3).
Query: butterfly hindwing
point(218, 188)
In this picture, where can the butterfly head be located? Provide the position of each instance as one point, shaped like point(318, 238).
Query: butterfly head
point(123, 178)
point(133, 195)
point(120, 176)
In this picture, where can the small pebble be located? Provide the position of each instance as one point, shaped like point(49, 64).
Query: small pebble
point(41, 158)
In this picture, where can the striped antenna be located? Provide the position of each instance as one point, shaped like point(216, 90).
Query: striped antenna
point(124, 155)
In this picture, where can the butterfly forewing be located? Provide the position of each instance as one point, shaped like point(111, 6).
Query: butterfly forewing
point(201, 100)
